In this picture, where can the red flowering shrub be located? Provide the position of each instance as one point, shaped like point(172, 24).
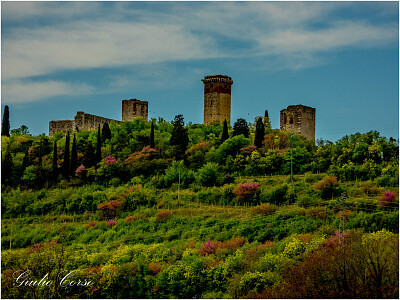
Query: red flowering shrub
point(109, 208)
point(90, 224)
point(387, 199)
point(245, 190)
point(162, 215)
point(111, 223)
point(209, 247)
point(128, 219)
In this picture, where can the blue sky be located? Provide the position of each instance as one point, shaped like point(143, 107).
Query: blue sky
point(58, 58)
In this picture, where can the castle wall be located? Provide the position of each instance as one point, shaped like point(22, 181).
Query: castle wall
point(299, 119)
point(217, 98)
point(62, 125)
point(82, 121)
point(134, 108)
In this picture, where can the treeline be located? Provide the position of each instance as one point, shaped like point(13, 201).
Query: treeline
point(115, 154)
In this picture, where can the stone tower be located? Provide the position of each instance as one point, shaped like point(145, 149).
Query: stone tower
point(217, 98)
point(299, 119)
point(134, 108)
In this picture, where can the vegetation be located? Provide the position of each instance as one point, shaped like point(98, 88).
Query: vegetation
point(201, 213)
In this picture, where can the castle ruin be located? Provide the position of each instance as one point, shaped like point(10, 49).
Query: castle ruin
point(299, 119)
point(132, 108)
point(217, 98)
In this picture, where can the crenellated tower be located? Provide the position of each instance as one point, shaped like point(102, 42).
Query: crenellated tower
point(217, 98)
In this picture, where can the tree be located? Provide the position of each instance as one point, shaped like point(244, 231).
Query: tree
point(74, 158)
point(179, 137)
point(23, 130)
point(241, 127)
point(7, 166)
point(225, 133)
point(5, 125)
point(66, 158)
point(89, 157)
point(98, 146)
point(260, 132)
point(105, 133)
point(152, 144)
point(55, 165)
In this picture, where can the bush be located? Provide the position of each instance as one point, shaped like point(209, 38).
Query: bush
point(264, 209)
point(246, 190)
point(387, 199)
point(328, 187)
point(162, 215)
point(208, 174)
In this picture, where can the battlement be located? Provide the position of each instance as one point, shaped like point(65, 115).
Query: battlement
point(217, 78)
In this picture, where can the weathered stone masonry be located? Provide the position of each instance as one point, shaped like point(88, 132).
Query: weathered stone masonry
point(130, 109)
point(217, 98)
point(299, 119)
point(82, 121)
point(134, 108)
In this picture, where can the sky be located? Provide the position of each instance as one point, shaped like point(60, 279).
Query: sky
point(341, 58)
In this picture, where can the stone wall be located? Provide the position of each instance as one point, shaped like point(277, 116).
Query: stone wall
point(217, 98)
point(299, 119)
point(82, 121)
point(134, 108)
point(62, 125)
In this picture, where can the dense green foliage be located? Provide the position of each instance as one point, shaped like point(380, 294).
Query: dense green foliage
point(223, 220)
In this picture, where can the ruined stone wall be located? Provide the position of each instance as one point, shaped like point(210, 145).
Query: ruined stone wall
point(85, 121)
point(82, 121)
point(62, 125)
point(217, 98)
point(134, 108)
point(299, 119)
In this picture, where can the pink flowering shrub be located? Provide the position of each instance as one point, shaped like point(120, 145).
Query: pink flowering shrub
point(249, 149)
point(209, 247)
point(128, 219)
point(80, 170)
point(110, 160)
point(387, 199)
point(111, 223)
point(245, 190)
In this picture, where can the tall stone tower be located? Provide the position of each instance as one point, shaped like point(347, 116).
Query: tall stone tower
point(217, 98)
point(299, 119)
point(134, 108)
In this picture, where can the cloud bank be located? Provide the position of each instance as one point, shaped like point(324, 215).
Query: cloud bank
point(77, 36)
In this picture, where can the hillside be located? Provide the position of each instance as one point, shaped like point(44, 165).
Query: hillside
point(198, 214)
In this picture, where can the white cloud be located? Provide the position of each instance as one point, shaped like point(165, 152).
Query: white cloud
point(17, 91)
point(93, 35)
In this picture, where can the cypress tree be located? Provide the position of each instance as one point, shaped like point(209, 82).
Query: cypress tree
point(74, 158)
point(152, 144)
point(105, 133)
point(5, 125)
point(241, 127)
point(25, 160)
point(7, 166)
point(179, 137)
point(98, 146)
point(89, 157)
point(66, 158)
point(55, 165)
point(225, 133)
point(40, 152)
point(260, 132)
